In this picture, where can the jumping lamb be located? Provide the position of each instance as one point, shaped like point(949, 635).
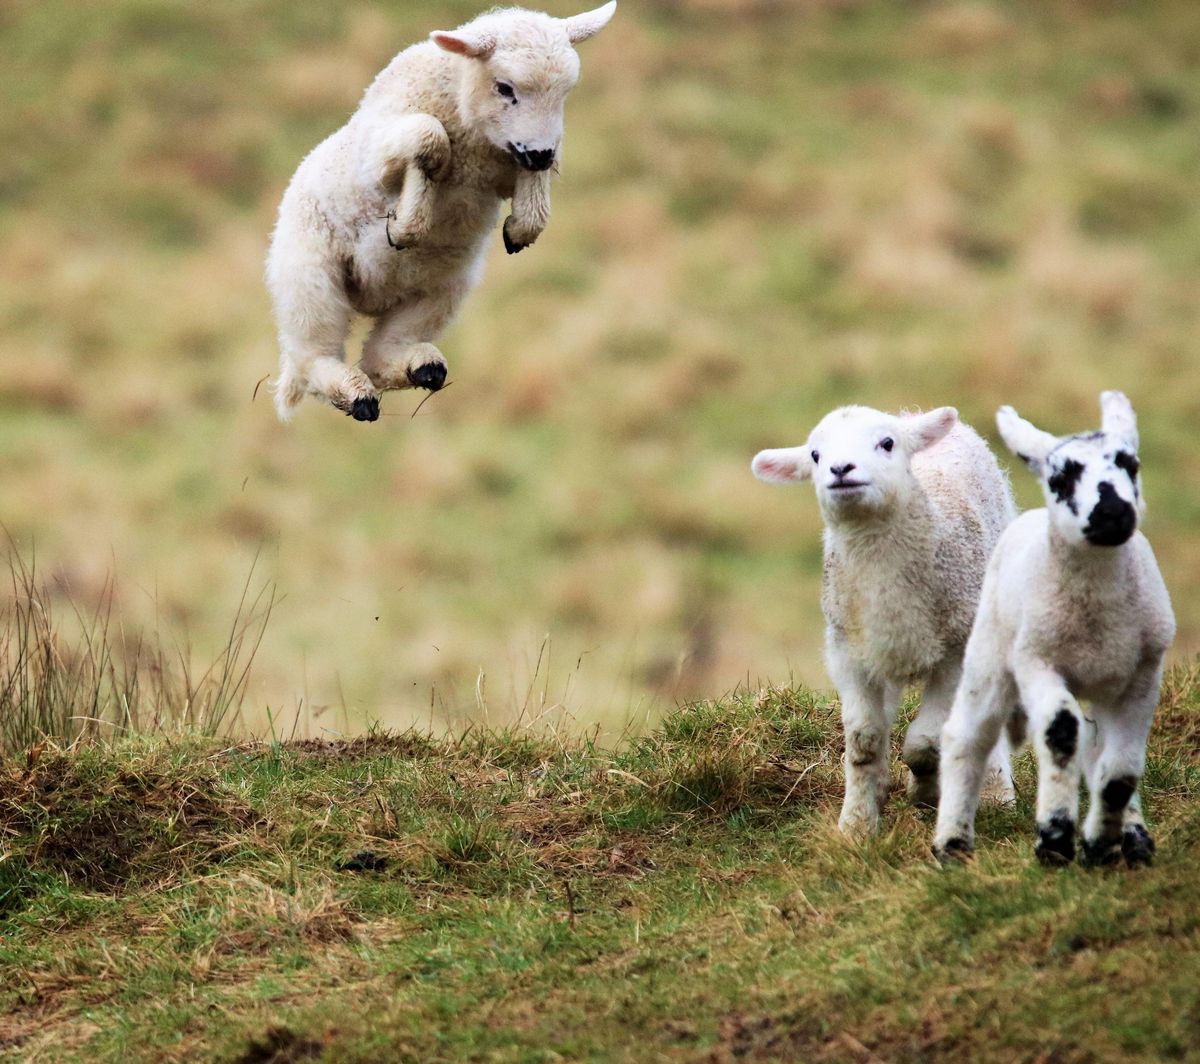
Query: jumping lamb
point(1073, 607)
point(389, 216)
point(912, 505)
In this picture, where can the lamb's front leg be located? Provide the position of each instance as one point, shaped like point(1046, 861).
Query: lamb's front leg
point(1056, 723)
point(408, 157)
point(1114, 826)
point(530, 210)
point(867, 715)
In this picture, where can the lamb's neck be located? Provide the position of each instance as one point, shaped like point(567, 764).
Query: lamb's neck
point(898, 533)
point(1082, 565)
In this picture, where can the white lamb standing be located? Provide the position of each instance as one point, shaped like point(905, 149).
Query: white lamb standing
point(389, 216)
point(912, 506)
point(1073, 607)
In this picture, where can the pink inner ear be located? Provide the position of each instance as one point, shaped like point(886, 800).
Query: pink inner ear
point(778, 467)
point(458, 45)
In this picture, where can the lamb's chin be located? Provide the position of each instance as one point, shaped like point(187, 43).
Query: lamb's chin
point(850, 501)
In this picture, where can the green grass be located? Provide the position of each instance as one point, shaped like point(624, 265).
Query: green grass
point(538, 898)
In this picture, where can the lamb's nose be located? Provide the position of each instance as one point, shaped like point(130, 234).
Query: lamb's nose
point(531, 158)
point(1112, 520)
point(840, 471)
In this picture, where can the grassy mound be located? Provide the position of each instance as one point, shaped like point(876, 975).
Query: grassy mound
point(508, 897)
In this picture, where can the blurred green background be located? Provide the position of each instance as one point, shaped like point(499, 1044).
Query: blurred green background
point(766, 210)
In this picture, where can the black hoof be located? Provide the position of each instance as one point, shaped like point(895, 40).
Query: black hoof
point(1137, 846)
point(511, 247)
point(1056, 842)
point(1103, 853)
point(432, 375)
point(956, 851)
point(365, 409)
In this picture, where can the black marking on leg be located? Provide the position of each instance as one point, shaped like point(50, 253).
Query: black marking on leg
point(864, 747)
point(1101, 853)
point(432, 375)
point(1062, 483)
point(956, 851)
point(511, 246)
point(1117, 792)
point(1018, 726)
point(365, 408)
point(922, 761)
point(1137, 846)
point(1056, 841)
point(1062, 736)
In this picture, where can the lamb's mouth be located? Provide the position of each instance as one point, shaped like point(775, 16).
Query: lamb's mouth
point(847, 485)
point(531, 159)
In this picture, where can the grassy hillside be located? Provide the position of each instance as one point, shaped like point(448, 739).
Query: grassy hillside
point(766, 209)
point(508, 898)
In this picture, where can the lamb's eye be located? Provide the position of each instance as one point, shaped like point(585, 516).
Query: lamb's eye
point(887, 443)
point(506, 90)
point(816, 457)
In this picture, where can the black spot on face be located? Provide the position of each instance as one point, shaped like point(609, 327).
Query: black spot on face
point(1062, 736)
point(1117, 792)
point(1063, 480)
point(1056, 841)
point(1128, 462)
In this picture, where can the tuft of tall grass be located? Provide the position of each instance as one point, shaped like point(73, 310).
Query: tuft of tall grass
point(68, 671)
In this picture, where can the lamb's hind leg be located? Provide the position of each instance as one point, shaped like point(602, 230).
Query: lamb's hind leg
point(1114, 827)
point(923, 737)
point(398, 352)
point(982, 703)
point(313, 318)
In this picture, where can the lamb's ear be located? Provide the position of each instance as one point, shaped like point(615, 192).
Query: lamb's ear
point(783, 465)
point(464, 42)
point(581, 27)
point(1025, 440)
point(924, 430)
point(1117, 417)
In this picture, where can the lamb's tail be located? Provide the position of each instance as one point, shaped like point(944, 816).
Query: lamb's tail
point(289, 391)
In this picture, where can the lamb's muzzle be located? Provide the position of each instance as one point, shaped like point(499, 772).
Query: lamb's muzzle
point(533, 159)
point(1112, 520)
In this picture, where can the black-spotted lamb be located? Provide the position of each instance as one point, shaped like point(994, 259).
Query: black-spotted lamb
point(389, 217)
point(912, 507)
point(1073, 607)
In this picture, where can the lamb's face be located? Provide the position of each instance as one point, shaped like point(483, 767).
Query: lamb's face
point(523, 65)
point(1090, 481)
point(858, 459)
